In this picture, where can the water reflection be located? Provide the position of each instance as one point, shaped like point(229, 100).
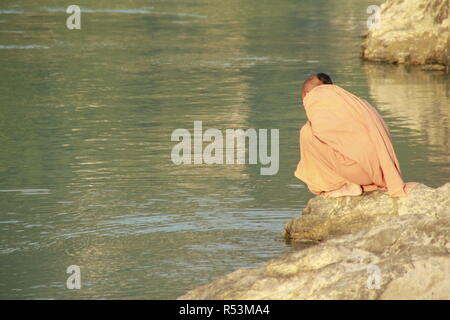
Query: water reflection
point(419, 100)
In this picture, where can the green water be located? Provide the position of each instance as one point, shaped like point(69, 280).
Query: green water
point(86, 117)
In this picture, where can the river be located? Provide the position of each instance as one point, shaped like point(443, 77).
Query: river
point(86, 118)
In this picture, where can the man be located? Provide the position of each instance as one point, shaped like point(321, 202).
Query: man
point(345, 146)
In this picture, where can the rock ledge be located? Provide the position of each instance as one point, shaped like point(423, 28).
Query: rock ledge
point(406, 241)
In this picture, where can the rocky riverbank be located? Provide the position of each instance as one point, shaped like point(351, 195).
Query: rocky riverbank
point(406, 240)
point(323, 217)
point(411, 32)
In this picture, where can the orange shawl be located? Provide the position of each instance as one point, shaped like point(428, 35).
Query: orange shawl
point(343, 127)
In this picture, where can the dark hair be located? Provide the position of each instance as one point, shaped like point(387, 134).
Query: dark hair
point(324, 78)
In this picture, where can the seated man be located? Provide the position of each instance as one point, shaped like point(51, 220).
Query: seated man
point(345, 146)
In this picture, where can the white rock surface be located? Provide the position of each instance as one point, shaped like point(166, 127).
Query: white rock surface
point(409, 246)
point(412, 32)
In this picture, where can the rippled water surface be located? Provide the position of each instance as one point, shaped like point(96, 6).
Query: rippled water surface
point(86, 117)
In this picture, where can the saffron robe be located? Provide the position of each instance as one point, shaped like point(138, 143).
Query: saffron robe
point(346, 140)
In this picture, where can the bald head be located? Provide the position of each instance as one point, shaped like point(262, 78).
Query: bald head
point(313, 81)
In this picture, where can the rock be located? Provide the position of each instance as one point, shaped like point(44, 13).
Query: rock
point(325, 217)
point(411, 32)
point(411, 253)
point(405, 241)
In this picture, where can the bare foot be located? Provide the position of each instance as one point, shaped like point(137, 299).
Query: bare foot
point(409, 186)
point(349, 189)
